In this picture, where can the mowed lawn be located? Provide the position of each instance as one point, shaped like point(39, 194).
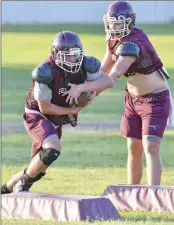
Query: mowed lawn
point(23, 47)
point(90, 160)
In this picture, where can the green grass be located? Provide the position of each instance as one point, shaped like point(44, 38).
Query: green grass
point(82, 149)
point(154, 220)
point(86, 168)
point(25, 46)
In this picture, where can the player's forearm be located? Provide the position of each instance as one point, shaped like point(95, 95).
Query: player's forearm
point(55, 110)
point(114, 81)
point(102, 83)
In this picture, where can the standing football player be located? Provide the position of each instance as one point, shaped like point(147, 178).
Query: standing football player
point(148, 104)
point(46, 110)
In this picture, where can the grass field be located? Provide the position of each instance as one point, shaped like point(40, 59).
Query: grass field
point(86, 168)
point(90, 160)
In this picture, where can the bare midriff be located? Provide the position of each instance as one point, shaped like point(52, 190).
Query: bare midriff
point(141, 84)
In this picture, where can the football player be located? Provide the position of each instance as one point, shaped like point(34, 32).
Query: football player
point(147, 106)
point(46, 110)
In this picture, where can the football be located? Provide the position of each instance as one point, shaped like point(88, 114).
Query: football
point(83, 99)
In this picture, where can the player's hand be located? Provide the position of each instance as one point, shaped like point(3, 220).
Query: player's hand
point(73, 93)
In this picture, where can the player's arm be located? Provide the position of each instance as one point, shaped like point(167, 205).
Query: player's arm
point(42, 75)
point(107, 62)
point(128, 53)
point(46, 107)
point(118, 69)
point(92, 67)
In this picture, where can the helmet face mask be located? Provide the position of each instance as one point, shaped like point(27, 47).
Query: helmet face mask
point(71, 60)
point(67, 51)
point(117, 28)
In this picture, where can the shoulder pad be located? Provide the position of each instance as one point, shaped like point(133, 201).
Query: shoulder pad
point(91, 64)
point(43, 74)
point(128, 49)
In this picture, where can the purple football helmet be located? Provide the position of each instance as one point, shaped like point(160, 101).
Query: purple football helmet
point(67, 51)
point(119, 20)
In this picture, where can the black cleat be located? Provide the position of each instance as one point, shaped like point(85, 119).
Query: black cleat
point(26, 182)
point(4, 189)
point(20, 186)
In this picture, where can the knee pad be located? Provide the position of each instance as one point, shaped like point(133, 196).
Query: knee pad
point(152, 138)
point(49, 155)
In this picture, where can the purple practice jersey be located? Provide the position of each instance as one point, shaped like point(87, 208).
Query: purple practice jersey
point(59, 85)
point(148, 60)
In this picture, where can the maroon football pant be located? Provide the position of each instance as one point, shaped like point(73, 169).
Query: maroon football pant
point(39, 129)
point(145, 115)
